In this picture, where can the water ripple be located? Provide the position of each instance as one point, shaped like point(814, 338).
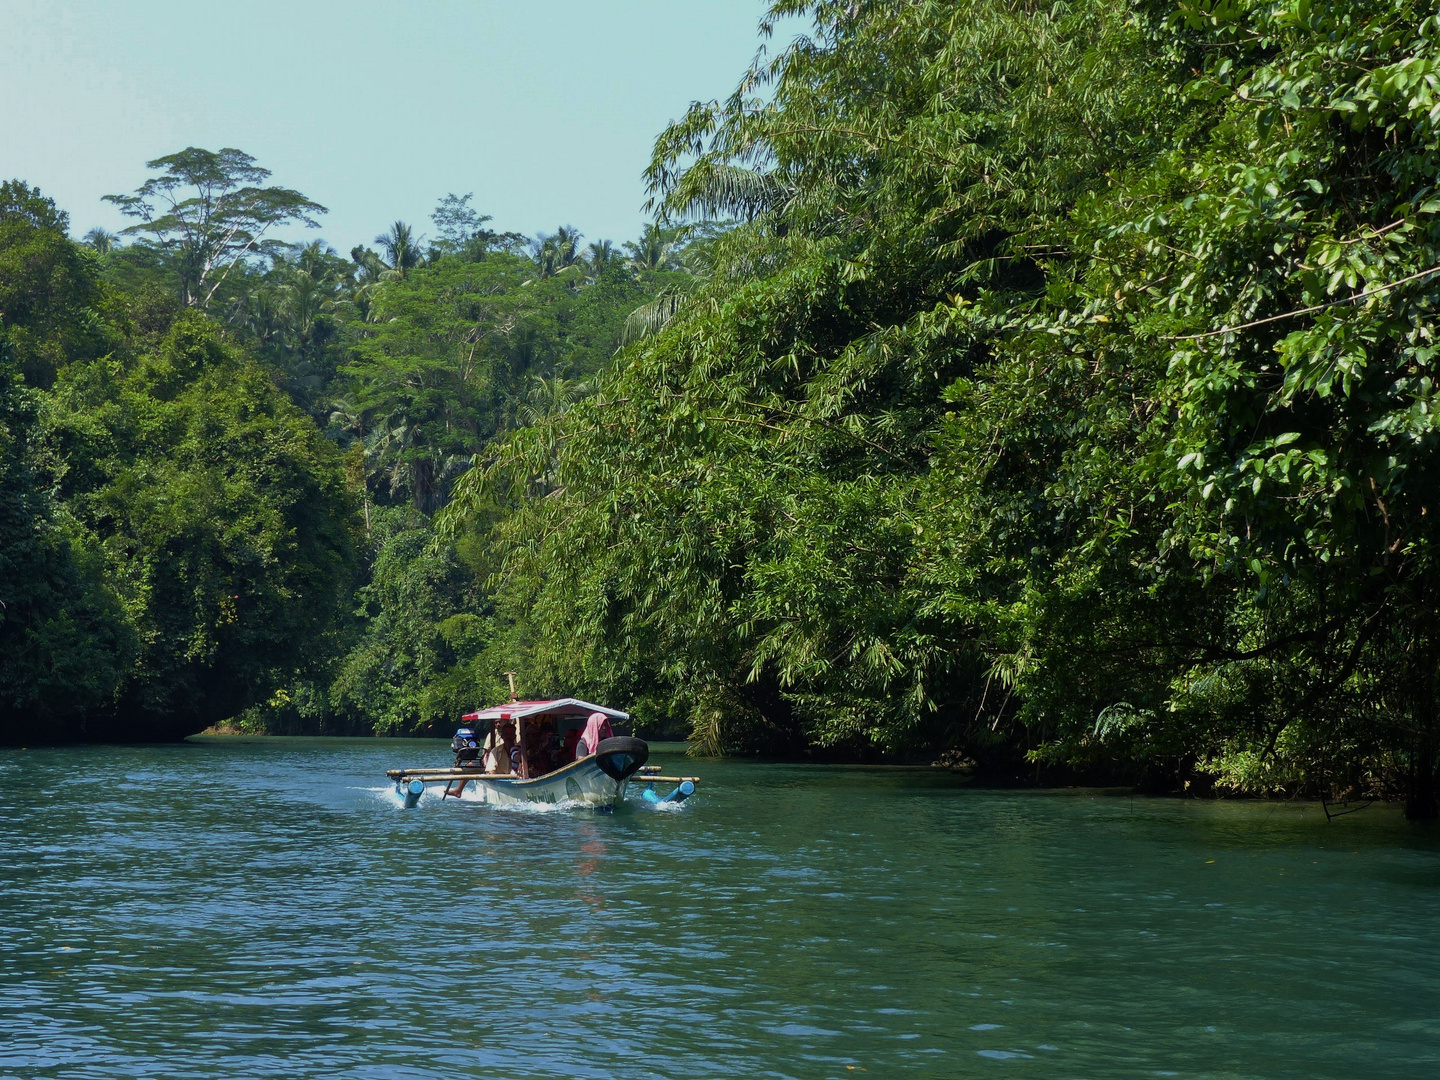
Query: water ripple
point(264, 909)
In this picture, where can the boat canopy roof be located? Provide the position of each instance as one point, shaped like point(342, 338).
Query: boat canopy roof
point(567, 706)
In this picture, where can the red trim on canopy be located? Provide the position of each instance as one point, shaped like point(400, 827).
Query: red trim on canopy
point(516, 710)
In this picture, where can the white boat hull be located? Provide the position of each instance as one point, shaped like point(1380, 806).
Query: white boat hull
point(581, 782)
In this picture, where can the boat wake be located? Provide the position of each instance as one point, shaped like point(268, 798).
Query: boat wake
point(387, 795)
point(561, 807)
point(392, 798)
point(676, 807)
point(433, 795)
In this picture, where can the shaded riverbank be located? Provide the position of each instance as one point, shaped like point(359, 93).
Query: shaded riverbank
point(260, 907)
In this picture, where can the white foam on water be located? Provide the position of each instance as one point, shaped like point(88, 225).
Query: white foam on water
point(471, 795)
point(663, 807)
point(387, 794)
point(563, 806)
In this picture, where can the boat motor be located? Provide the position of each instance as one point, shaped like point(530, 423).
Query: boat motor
point(621, 756)
point(466, 746)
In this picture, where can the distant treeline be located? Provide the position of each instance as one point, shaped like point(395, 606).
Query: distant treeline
point(1059, 394)
point(219, 454)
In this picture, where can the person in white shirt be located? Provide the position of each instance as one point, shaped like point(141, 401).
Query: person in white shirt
point(500, 749)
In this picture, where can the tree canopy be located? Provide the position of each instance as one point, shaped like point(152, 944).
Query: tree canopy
point(221, 451)
point(174, 526)
point(1062, 399)
point(207, 211)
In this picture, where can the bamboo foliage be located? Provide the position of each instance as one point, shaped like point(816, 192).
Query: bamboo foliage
point(1074, 370)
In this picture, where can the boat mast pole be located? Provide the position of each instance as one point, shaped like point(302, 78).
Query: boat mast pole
point(520, 723)
point(524, 753)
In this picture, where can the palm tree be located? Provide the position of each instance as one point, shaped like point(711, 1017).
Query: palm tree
point(369, 275)
point(551, 397)
point(600, 255)
point(318, 260)
point(652, 317)
point(396, 451)
point(558, 254)
point(688, 249)
point(263, 314)
point(658, 248)
point(305, 301)
point(720, 190)
point(402, 249)
point(352, 421)
point(368, 267)
point(102, 240)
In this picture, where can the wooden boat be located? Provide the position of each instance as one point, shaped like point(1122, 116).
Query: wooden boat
point(598, 779)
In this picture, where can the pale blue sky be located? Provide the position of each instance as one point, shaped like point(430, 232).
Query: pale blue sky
point(546, 109)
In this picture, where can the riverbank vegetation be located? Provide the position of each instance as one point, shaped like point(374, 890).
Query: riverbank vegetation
point(1049, 385)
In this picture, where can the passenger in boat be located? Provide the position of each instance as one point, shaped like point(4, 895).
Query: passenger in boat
point(596, 729)
point(540, 741)
point(501, 751)
point(568, 751)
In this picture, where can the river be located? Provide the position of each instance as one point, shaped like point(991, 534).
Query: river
point(264, 908)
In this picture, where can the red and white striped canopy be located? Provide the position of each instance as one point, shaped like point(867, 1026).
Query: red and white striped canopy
point(569, 706)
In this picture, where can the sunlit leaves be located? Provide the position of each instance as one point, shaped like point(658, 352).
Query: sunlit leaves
point(207, 211)
point(1080, 362)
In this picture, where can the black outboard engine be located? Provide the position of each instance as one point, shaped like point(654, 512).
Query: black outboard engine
point(621, 756)
point(466, 746)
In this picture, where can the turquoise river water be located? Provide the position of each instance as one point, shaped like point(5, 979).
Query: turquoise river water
point(264, 908)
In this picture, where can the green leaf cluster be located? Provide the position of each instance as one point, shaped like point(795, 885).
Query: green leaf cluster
point(221, 517)
point(1065, 397)
point(174, 530)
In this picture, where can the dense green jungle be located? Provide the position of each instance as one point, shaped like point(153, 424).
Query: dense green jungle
point(1044, 388)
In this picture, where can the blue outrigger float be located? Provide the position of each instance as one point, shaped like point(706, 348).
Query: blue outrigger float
point(552, 751)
